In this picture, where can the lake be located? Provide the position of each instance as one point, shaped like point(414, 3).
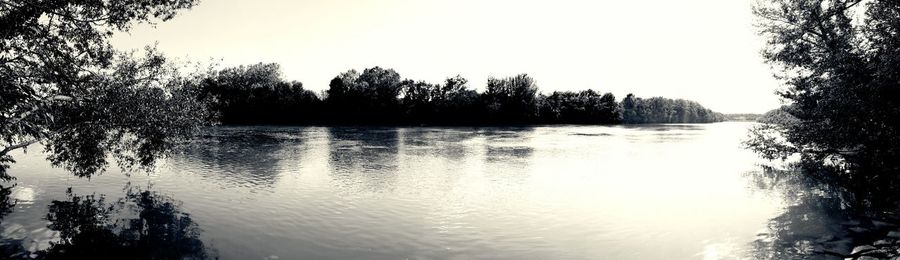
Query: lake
point(556, 192)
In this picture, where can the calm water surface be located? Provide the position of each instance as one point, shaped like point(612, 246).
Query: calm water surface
point(560, 192)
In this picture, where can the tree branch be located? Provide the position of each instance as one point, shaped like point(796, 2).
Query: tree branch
point(17, 146)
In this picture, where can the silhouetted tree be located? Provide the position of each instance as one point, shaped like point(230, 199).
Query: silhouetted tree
point(257, 94)
point(419, 101)
point(457, 104)
point(383, 88)
point(370, 97)
point(610, 112)
point(343, 97)
point(630, 110)
point(64, 86)
point(585, 107)
point(839, 61)
point(511, 100)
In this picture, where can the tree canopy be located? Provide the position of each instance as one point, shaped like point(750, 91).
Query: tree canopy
point(838, 60)
point(256, 94)
point(64, 86)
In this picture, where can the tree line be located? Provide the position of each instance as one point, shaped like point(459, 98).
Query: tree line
point(257, 94)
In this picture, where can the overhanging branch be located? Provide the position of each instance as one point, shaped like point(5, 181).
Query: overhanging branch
point(17, 146)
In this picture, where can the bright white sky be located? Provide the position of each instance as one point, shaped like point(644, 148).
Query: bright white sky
point(703, 50)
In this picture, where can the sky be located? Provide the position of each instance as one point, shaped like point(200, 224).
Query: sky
point(702, 50)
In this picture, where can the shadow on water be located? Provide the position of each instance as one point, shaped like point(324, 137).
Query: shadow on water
point(664, 133)
point(507, 154)
point(449, 143)
point(363, 157)
point(508, 145)
point(237, 156)
point(142, 225)
point(822, 221)
point(591, 134)
point(664, 127)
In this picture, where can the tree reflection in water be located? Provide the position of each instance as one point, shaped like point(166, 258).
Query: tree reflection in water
point(364, 158)
point(142, 225)
point(823, 221)
point(6, 204)
point(509, 145)
point(9, 248)
point(239, 156)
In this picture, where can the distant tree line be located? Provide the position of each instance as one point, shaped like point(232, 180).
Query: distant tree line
point(257, 94)
point(636, 110)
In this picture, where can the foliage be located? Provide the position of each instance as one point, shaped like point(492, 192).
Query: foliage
point(419, 100)
point(766, 138)
point(585, 107)
point(839, 60)
point(512, 99)
point(62, 85)
point(370, 97)
point(636, 110)
point(455, 103)
point(256, 94)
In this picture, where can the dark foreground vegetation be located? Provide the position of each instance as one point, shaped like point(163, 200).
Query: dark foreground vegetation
point(840, 61)
point(840, 130)
point(256, 94)
point(64, 87)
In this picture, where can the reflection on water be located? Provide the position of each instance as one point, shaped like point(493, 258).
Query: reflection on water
point(7, 202)
point(508, 145)
point(507, 154)
point(245, 157)
point(362, 157)
point(821, 221)
point(574, 192)
point(450, 143)
point(142, 225)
